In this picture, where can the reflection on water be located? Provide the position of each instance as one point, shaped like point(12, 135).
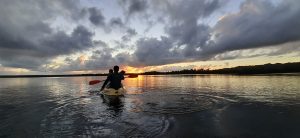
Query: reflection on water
point(154, 106)
point(281, 89)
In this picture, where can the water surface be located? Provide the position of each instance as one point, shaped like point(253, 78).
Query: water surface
point(154, 106)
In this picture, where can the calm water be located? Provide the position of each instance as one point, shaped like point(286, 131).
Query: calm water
point(154, 106)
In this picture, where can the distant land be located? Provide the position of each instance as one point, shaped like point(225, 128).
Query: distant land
point(36, 76)
point(240, 70)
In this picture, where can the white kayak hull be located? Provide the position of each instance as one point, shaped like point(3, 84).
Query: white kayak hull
point(114, 92)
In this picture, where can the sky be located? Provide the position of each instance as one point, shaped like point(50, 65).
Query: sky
point(91, 36)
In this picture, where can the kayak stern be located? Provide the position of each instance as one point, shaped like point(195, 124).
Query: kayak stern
point(114, 92)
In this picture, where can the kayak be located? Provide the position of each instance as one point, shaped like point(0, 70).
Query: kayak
point(114, 92)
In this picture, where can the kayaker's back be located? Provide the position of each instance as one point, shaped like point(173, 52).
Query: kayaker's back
point(115, 80)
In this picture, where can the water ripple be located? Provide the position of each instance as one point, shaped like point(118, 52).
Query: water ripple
point(100, 118)
point(179, 103)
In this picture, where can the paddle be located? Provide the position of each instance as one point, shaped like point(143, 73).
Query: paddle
point(98, 81)
point(95, 82)
point(132, 76)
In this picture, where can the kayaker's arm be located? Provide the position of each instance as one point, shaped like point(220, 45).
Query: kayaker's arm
point(122, 73)
point(104, 84)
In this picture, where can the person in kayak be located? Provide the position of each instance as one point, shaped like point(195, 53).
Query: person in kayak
point(122, 72)
point(114, 79)
point(111, 71)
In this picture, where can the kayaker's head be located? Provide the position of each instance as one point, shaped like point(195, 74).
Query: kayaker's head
point(122, 72)
point(111, 71)
point(116, 69)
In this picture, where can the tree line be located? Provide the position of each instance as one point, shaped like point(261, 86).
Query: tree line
point(254, 69)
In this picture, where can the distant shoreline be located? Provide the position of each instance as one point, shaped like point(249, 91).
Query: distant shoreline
point(240, 70)
point(61, 75)
point(87, 75)
point(291, 69)
point(40, 76)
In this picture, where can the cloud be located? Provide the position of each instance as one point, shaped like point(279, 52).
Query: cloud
point(257, 24)
point(102, 58)
point(292, 47)
point(96, 16)
point(186, 10)
point(62, 43)
point(181, 24)
point(116, 22)
point(27, 39)
point(34, 32)
point(134, 6)
point(20, 52)
point(286, 48)
point(174, 67)
point(185, 36)
point(189, 40)
point(99, 60)
point(190, 35)
point(153, 51)
point(129, 34)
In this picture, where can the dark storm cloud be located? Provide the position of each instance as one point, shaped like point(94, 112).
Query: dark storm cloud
point(96, 17)
point(286, 48)
point(25, 54)
point(100, 43)
point(258, 24)
point(191, 35)
point(137, 6)
point(22, 60)
point(103, 58)
point(100, 59)
point(152, 51)
point(26, 38)
point(122, 59)
point(29, 40)
point(185, 37)
point(291, 48)
point(183, 25)
point(129, 34)
point(188, 10)
point(134, 6)
point(116, 22)
point(61, 43)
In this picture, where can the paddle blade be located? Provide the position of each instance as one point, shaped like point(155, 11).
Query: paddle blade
point(133, 76)
point(94, 82)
